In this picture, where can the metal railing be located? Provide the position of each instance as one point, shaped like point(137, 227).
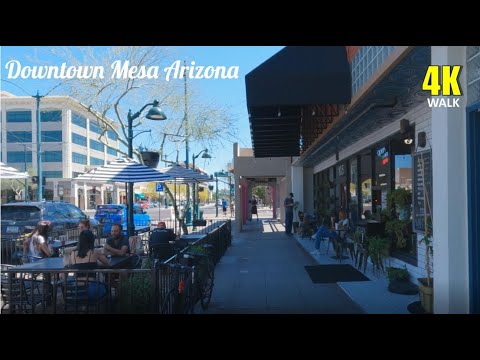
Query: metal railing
point(144, 290)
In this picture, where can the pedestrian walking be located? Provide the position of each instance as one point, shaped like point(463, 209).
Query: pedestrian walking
point(254, 207)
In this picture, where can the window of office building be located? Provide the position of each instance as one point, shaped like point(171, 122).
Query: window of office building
point(111, 151)
point(96, 145)
point(19, 156)
point(79, 120)
point(111, 135)
point(19, 136)
point(79, 139)
point(52, 174)
point(52, 136)
point(96, 161)
point(51, 116)
point(95, 128)
point(79, 158)
point(52, 156)
point(19, 116)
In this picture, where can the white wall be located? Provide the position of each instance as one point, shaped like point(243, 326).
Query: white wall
point(450, 216)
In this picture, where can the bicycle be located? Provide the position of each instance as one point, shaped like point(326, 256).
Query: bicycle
point(193, 281)
point(203, 277)
point(174, 300)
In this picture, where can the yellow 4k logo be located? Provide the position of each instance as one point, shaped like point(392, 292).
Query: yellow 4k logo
point(447, 85)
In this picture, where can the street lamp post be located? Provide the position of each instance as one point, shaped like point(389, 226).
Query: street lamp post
point(155, 113)
point(205, 155)
point(39, 153)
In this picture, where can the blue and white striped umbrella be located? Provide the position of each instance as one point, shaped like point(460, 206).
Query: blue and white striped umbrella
point(179, 174)
point(124, 170)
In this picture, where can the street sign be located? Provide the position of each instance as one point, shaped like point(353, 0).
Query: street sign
point(222, 174)
point(159, 187)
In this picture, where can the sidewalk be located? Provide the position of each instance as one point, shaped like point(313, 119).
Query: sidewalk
point(372, 296)
point(263, 272)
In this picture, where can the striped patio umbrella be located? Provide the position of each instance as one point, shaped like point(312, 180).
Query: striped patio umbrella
point(179, 174)
point(124, 170)
point(7, 172)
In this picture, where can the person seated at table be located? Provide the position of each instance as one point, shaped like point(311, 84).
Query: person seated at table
point(160, 241)
point(85, 257)
point(117, 244)
point(35, 246)
point(84, 225)
point(323, 232)
point(306, 227)
point(343, 222)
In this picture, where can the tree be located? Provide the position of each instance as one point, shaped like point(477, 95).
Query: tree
point(259, 191)
point(207, 124)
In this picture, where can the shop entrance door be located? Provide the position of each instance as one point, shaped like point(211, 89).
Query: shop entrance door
point(473, 178)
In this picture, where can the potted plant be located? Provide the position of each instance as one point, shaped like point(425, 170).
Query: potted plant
point(402, 198)
point(377, 251)
point(399, 283)
point(150, 158)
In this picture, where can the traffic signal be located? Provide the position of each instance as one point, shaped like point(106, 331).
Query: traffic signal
point(210, 187)
point(34, 179)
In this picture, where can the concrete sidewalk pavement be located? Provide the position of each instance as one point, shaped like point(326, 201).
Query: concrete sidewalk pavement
point(263, 272)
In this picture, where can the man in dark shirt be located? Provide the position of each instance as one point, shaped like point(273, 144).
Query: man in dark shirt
point(116, 245)
point(288, 204)
point(159, 242)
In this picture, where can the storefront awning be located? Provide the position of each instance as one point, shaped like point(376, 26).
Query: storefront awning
point(280, 88)
point(140, 196)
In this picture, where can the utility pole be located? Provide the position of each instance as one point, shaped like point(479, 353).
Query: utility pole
point(188, 214)
point(39, 150)
point(25, 170)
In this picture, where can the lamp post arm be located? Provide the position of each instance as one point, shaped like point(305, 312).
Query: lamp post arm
point(132, 117)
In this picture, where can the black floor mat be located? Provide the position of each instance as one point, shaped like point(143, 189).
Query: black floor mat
point(321, 274)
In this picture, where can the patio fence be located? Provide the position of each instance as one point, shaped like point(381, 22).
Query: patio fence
point(137, 290)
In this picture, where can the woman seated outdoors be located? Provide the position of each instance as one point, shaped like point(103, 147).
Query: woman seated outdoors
point(307, 228)
point(35, 246)
point(86, 257)
point(323, 233)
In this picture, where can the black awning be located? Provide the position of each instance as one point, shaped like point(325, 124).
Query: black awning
point(282, 86)
point(301, 75)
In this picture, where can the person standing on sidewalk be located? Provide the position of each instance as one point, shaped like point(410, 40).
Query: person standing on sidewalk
point(288, 203)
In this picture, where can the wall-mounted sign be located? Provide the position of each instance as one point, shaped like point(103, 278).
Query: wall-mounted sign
point(422, 185)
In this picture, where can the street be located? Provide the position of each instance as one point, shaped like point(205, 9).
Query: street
point(166, 214)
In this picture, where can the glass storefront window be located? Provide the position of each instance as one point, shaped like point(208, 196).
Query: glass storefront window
point(353, 189)
point(366, 185)
point(403, 171)
point(382, 175)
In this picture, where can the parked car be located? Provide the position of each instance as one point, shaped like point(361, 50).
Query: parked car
point(143, 204)
point(22, 217)
point(117, 213)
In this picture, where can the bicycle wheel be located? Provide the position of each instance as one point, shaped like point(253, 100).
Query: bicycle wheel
point(168, 304)
point(207, 288)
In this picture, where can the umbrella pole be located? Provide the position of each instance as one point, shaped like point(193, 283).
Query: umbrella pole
point(175, 198)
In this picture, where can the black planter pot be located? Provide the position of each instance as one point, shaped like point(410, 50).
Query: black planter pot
point(150, 158)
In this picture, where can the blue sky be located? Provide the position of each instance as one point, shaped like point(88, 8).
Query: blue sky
point(226, 92)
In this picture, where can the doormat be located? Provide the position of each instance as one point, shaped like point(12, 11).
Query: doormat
point(325, 274)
